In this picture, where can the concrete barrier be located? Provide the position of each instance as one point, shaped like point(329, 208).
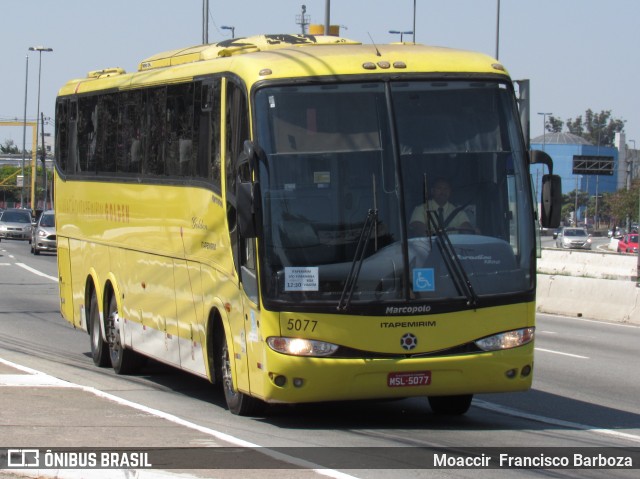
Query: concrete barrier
point(588, 264)
point(591, 284)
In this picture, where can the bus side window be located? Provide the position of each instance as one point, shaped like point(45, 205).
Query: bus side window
point(87, 118)
point(181, 143)
point(155, 130)
point(209, 135)
point(129, 155)
point(106, 139)
point(62, 146)
point(73, 160)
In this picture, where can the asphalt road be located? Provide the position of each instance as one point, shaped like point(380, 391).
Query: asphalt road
point(598, 242)
point(585, 394)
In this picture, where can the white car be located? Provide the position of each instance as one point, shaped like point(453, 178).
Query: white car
point(15, 223)
point(577, 238)
point(43, 237)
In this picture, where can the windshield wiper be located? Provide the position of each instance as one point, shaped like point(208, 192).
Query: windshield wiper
point(358, 258)
point(451, 260)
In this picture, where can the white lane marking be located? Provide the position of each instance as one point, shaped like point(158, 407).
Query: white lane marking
point(604, 323)
point(554, 422)
point(35, 271)
point(563, 354)
point(182, 422)
point(32, 380)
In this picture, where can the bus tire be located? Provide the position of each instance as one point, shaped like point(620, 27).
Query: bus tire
point(123, 359)
point(450, 405)
point(238, 403)
point(99, 347)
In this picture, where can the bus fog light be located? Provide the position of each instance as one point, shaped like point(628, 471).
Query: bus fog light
point(506, 340)
point(511, 373)
point(280, 380)
point(298, 382)
point(301, 347)
point(525, 371)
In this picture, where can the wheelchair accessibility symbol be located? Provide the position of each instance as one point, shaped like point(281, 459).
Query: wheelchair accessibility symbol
point(423, 279)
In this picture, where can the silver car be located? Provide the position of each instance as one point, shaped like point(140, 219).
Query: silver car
point(15, 223)
point(573, 238)
point(43, 237)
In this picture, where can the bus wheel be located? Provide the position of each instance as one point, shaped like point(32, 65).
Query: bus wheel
point(237, 402)
point(99, 347)
point(450, 405)
point(123, 360)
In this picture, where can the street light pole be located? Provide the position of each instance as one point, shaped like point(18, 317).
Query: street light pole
point(398, 32)
point(233, 30)
point(498, 32)
point(327, 16)
point(205, 22)
point(544, 139)
point(544, 128)
point(24, 130)
point(414, 21)
point(39, 49)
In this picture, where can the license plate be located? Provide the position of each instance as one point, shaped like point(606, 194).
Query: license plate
point(413, 378)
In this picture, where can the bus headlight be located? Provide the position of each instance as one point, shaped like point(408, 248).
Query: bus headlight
point(301, 347)
point(508, 340)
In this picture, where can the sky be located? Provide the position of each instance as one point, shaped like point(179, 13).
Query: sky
point(577, 54)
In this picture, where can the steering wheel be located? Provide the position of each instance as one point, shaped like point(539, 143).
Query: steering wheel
point(461, 230)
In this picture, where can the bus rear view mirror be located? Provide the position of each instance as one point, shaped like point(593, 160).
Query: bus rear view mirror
point(551, 195)
point(551, 201)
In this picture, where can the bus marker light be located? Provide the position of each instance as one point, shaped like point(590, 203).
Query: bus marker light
point(369, 66)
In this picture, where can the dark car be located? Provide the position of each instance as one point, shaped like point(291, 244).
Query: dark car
point(15, 223)
point(43, 237)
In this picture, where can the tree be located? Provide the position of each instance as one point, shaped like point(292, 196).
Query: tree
point(9, 147)
point(554, 125)
point(624, 204)
point(9, 193)
point(569, 204)
point(596, 128)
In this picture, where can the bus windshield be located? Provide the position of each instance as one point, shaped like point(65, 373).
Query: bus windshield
point(406, 191)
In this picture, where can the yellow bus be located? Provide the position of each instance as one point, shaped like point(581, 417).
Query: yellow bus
point(245, 211)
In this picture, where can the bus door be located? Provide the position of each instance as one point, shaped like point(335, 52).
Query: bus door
point(235, 131)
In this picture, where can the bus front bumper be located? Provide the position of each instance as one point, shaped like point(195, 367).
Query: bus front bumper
point(298, 379)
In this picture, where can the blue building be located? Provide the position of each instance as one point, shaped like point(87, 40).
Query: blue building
point(562, 147)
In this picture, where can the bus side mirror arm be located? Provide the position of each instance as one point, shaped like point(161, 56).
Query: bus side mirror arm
point(247, 192)
point(551, 194)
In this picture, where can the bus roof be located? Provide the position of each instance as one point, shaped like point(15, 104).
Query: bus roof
point(238, 46)
point(287, 56)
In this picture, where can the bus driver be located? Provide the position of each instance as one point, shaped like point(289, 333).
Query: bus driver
point(450, 216)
